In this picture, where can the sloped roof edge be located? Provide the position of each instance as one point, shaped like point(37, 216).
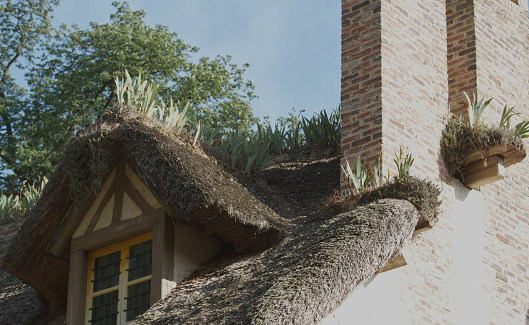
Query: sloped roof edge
point(300, 280)
point(189, 183)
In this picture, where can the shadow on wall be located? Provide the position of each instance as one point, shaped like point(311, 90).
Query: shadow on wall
point(460, 191)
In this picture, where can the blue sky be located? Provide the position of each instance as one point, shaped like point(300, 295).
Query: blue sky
point(292, 46)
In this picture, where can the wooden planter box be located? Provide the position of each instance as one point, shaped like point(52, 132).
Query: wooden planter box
point(422, 225)
point(400, 261)
point(480, 170)
point(395, 263)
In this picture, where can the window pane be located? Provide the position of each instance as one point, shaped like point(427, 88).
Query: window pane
point(105, 309)
point(106, 271)
point(138, 296)
point(140, 260)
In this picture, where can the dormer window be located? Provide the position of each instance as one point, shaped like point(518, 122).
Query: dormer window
point(127, 253)
point(119, 285)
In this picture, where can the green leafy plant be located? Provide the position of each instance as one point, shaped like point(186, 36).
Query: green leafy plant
point(357, 177)
point(256, 156)
point(197, 134)
point(253, 151)
point(13, 206)
point(423, 194)
point(274, 138)
point(322, 129)
point(505, 120)
point(172, 116)
point(293, 137)
point(362, 179)
point(521, 130)
point(377, 173)
point(233, 147)
point(141, 96)
point(475, 109)
point(136, 93)
point(30, 194)
point(403, 162)
point(5, 204)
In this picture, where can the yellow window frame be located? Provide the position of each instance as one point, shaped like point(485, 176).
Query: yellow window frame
point(123, 276)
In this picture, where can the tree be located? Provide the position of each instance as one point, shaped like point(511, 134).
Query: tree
point(72, 83)
point(219, 93)
point(23, 25)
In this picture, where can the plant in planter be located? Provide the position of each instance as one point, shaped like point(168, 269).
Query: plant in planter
point(368, 184)
point(476, 153)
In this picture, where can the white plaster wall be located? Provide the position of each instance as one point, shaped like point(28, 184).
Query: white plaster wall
point(471, 300)
point(376, 301)
point(130, 209)
point(192, 250)
point(398, 296)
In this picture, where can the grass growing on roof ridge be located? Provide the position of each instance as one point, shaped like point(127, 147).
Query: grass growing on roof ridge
point(250, 152)
point(367, 185)
point(14, 206)
point(422, 193)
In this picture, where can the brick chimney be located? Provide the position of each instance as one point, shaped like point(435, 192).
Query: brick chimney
point(394, 81)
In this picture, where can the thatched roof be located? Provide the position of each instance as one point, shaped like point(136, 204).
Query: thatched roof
point(276, 275)
point(188, 183)
point(300, 280)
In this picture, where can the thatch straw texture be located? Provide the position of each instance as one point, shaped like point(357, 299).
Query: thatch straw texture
point(26, 259)
point(300, 280)
point(194, 189)
point(189, 184)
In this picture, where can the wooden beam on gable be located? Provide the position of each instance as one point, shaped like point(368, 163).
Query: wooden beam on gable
point(59, 243)
point(120, 186)
point(77, 288)
point(135, 195)
point(102, 206)
point(117, 232)
point(130, 168)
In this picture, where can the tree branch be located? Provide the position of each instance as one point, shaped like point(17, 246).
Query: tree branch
point(7, 159)
point(17, 55)
point(9, 129)
point(11, 62)
point(109, 100)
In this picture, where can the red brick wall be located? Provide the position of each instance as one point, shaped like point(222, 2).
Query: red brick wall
point(502, 58)
point(404, 63)
point(461, 52)
point(414, 104)
point(361, 80)
point(395, 94)
point(414, 83)
point(393, 80)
